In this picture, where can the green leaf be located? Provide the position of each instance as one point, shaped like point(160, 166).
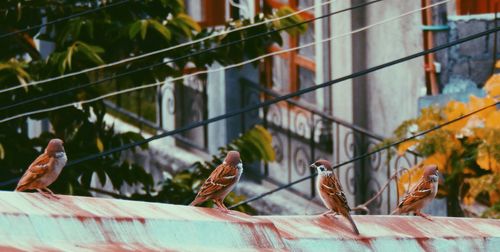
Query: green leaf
point(130, 137)
point(2, 152)
point(161, 29)
point(69, 55)
point(139, 26)
point(144, 28)
point(16, 68)
point(89, 26)
point(91, 52)
point(64, 59)
point(189, 21)
point(134, 29)
point(99, 144)
point(261, 140)
point(291, 20)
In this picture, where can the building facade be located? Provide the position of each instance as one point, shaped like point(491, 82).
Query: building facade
point(339, 122)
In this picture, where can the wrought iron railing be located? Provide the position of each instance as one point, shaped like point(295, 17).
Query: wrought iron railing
point(173, 105)
point(301, 134)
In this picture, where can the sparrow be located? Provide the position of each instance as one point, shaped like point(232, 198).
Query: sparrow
point(221, 181)
point(421, 194)
point(44, 170)
point(331, 193)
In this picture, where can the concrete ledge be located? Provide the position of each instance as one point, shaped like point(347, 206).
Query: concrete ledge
point(30, 222)
point(388, 233)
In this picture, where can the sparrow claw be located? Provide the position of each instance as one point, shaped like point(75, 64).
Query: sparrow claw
point(44, 194)
point(221, 207)
point(226, 211)
point(52, 194)
point(330, 213)
point(47, 193)
point(425, 216)
point(55, 197)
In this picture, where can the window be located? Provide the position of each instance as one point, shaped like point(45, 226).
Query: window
point(467, 7)
point(210, 13)
point(207, 12)
point(292, 71)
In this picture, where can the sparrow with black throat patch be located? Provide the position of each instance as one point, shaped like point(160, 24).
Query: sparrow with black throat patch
point(221, 181)
point(421, 194)
point(44, 170)
point(331, 193)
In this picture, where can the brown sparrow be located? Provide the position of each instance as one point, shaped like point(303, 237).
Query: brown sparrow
point(421, 194)
point(221, 181)
point(44, 170)
point(330, 191)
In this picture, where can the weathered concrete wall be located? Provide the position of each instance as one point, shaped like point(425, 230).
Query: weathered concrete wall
point(472, 60)
point(391, 93)
point(382, 100)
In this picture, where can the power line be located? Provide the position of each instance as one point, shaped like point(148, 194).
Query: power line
point(79, 103)
point(365, 155)
point(102, 7)
point(288, 96)
point(222, 33)
point(181, 57)
point(9, 182)
point(284, 97)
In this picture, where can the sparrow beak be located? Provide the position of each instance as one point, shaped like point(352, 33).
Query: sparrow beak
point(440, 177)
point(313, 166)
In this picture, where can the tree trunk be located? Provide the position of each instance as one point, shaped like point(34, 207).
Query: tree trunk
point(453, 201)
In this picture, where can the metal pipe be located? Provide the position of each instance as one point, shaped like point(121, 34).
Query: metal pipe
point(430, 71)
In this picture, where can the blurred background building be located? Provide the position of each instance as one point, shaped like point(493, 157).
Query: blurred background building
point(336, 123)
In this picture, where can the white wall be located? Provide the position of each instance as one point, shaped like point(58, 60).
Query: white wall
point(381, 100)
point(392, 92)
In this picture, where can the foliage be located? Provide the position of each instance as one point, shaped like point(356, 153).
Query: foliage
point(109, 35)
point(181, 188)
point(467, 152)
point(492, 212)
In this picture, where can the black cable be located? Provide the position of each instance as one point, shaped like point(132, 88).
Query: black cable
point(9, 182)
point(180, 58)
point(365, 155)
point(291, 95)
point(102, 7)
point(284, 97)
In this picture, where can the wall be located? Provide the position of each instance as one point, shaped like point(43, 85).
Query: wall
point(381, 100)
point(391, 93)
point(472, 60)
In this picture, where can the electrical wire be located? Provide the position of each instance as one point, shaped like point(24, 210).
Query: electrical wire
point(366, 154)
point(222, 33)
point(79, 103)
point(9, 182)
point(298, 93)
point(283, 97)
point(102, 7)
point(181, 57)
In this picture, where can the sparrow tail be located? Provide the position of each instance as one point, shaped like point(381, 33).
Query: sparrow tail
point(354, 227)
point(396, 211)
point(196, 201)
